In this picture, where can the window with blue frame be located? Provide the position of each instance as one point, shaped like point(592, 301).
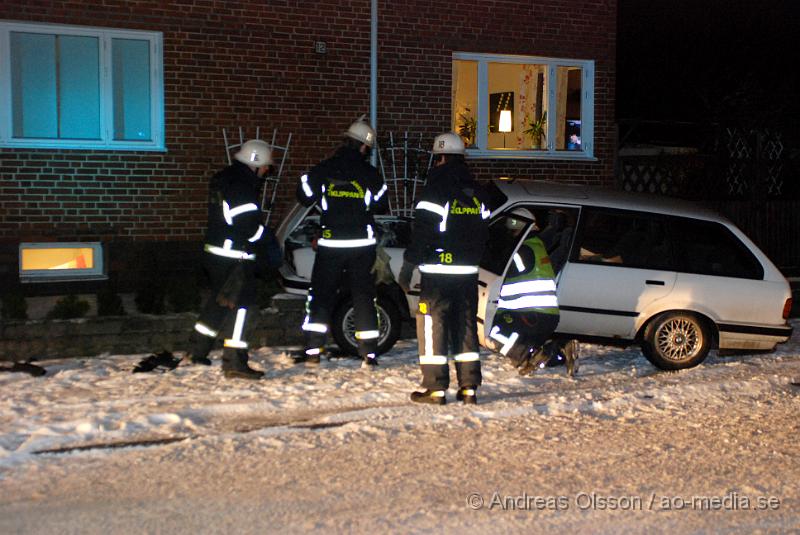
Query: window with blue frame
point(509, 106)
point(79, 87)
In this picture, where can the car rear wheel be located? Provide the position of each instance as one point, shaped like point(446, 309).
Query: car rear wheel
point(343, 328)
point(676, 340)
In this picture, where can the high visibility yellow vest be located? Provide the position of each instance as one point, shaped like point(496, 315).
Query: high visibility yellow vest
point(530, 282)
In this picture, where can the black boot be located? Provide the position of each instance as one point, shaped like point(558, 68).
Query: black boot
point(468, 394)
point(370, 362)
point(201, 347)
point(432, 397)
point(234, 365)
point(535, 360)
point(571, 351)
point(303, 357)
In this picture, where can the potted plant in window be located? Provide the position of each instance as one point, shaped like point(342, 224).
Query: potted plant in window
point(467, 126)
point(537, 129)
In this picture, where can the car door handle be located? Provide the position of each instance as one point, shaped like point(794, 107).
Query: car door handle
point(655, 282)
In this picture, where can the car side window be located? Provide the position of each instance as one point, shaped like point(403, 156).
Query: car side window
point(554, 225)
point(709, 248)
point(557, 229)
point(624, 238)
point(502, 241)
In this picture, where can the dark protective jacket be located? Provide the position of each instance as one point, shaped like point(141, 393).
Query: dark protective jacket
point(450, 222)
point(349, 192)
point(234, 213)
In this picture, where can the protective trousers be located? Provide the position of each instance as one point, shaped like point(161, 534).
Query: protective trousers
point(232, 294)
point(335, 267)
point(520, 332)
point(446, 325)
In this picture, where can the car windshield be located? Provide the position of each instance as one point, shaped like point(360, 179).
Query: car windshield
point(390, 231)
point(496, 197)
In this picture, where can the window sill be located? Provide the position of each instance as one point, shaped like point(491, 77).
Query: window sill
point(514, 154)
point(127, 147)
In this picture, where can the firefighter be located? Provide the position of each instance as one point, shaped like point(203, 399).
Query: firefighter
point(449, 236)
point(235, 232)
point(348, 191)
point(527, 311)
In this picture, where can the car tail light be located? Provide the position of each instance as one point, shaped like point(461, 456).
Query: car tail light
point(787, 308)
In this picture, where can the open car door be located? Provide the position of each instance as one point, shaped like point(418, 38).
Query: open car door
point(557, 234)
point(503, 242)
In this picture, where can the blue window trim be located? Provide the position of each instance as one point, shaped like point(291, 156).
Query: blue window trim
point(105, 37)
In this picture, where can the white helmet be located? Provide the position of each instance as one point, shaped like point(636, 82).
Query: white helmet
point(523, 215)
point(361, 131)
point(255, 153)
point(449, 143)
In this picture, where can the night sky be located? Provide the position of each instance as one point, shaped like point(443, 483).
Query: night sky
point(728, 61)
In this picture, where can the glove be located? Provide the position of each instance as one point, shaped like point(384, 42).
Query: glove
point(381, 268)
point(404, 279)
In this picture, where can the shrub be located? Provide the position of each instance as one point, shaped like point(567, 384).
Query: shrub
point(14, 307)
point(69, 307)
point(151, 288)
point(150, 297)
point(183, 295)
point(109, 303)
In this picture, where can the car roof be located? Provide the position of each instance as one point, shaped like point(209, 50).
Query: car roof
point(522, 190)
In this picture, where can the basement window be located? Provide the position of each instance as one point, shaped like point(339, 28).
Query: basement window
point(47, 262)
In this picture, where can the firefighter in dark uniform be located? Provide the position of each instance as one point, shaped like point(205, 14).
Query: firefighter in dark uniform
point(449, 236)
point(527, 310)
point(348, 191)
point(234, 235)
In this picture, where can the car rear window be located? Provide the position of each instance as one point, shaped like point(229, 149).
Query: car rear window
point(710, 248)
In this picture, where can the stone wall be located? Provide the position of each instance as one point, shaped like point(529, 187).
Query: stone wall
point(89, 337)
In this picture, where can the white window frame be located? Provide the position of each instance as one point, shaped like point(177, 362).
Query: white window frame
point(104, 36)
point(550, 153)
point(59, 275)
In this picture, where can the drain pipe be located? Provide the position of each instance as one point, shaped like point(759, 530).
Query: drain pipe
point(373, 76)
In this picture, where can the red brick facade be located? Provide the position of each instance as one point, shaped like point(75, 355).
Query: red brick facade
point(230, 64)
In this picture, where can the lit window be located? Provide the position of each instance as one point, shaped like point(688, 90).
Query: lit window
point(60, 261)
point(549, 101)
point(78, 87)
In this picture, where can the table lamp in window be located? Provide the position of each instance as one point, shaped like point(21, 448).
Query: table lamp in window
point(505, 124)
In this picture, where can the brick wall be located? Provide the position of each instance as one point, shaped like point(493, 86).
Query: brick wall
point(249, 64)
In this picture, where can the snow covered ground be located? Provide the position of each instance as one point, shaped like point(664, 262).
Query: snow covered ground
point(623, 447)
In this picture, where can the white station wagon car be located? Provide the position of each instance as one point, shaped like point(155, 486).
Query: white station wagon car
point(673, 278)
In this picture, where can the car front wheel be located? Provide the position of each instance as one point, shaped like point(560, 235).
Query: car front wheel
point(676, 340)
point(344, 327)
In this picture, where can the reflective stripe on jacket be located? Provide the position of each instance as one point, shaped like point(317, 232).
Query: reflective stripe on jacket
point(530, 282)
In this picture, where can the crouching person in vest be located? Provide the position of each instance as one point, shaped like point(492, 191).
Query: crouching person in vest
point(233, 238)
point(527, 311)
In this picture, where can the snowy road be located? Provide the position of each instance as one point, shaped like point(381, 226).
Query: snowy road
point(92, 448)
